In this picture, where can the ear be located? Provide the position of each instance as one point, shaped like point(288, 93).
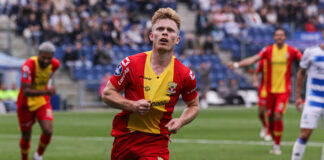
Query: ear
point(151, 36)
point(178, 40)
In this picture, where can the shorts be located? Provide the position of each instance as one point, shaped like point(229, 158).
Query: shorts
point(27, 118)
point(277, 103)
point(310, 117)
point(262, 102)
point(141, 146)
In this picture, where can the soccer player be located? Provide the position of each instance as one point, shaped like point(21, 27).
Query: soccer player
point(312, 63)
point(34, 98)
point(279, 58)
point(262, 103)
point(152, 82)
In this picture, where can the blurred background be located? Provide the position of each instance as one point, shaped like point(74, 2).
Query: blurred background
point(93, 36)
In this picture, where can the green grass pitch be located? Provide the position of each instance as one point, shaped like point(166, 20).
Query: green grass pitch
point(223, 133)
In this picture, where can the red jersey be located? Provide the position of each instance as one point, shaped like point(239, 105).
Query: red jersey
point(136, 76)
point(278, 66)
point(263, 70)
point(31, 72)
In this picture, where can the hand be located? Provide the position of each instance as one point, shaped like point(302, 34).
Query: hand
point(230, 65)
point(142, 106)
point(255, 84)
point(299, 103)
point(174, 125)
point(51, 91)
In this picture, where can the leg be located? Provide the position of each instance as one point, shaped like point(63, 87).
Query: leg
point(25, 144)
point(300, 144)
point(47, 130)
point(261, 113)
point(26, 120)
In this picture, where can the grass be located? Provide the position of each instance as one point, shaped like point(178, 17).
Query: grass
point(86, 136)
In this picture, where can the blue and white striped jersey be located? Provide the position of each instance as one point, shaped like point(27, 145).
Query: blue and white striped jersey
point(313, 62)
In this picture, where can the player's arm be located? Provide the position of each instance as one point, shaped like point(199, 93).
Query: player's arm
point(112, 97)
point(29, 91)
point(299, 84)
point(244, 62)
point(186, 117)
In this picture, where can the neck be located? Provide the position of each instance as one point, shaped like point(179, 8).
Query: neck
point(161, 58)
point(280, 45)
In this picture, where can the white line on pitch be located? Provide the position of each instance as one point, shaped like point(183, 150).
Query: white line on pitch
point(195, 141)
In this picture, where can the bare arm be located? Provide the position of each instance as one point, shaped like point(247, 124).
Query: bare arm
point(111, 96)
point(186, 117)
point(299, 84)
point(29, 91)
point(245, 62)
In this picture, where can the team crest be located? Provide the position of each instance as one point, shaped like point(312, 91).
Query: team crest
point(192, 75)
point(160, 158)
point(172, 87)
point(119, 70)
point(287, 55)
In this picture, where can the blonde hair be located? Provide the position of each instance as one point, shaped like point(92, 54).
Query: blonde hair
point(166, 13)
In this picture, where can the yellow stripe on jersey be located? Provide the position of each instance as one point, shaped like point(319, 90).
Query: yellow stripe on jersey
point(41, 79)
point(264, 86)
point(279, 69)
point(157, 90)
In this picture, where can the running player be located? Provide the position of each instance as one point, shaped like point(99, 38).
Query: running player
point(262, 103)
point(152, 82)
point(279, 58)
point(34, 98)
point(312, 63)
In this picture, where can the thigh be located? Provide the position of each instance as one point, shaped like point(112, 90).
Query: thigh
point(45, 113)
point(26, 118)
point(122, 146)
point(281, 101)
point(152, 146)
point(310, 117)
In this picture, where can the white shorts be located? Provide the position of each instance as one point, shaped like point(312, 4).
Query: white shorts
point(310, 117)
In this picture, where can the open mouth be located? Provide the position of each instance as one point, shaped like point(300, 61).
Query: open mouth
point(164, 40)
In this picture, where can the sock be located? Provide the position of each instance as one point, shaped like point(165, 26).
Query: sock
point(43, 142)
point(263, 120)
point(277, 131)
point(24, 149)
point(299, 149)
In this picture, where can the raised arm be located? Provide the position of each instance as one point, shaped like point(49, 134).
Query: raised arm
point(186, 117)
point(112, 97)
point(299, 84)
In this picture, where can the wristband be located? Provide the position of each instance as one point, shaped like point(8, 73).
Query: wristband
point(236, 65)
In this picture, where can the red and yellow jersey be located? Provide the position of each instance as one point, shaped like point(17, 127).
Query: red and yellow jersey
point(278, 66)
point(31, 72)
point(136, 77)
point(263, 70)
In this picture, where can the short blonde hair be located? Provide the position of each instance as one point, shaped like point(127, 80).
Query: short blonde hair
point(167, 13)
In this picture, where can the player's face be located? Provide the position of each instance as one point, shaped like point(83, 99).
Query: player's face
point(279, 37)
point(165, 35)
point(45, 59)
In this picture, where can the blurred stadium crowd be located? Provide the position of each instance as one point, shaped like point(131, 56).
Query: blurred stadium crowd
point(92, 36)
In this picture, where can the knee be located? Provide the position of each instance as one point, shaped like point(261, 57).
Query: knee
point(26, 136)
point(48, 131)
point(277, 117)
point(304, 136)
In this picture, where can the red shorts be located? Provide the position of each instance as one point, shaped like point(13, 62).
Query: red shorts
point(277, 103)
point(27, 118)
point(262, 102)
point(140, 146)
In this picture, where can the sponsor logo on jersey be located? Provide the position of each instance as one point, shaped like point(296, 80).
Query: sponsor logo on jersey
point(192, 75)
point(123, 77)
point(118, 70)
point(159, 103)
point(147, 78)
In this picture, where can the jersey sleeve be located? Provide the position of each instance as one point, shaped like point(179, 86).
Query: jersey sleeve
point(298, 55)
point(55, 64)
point(305, 60)
point(121, 76)
point(263, 53)
point(190, 89)
point(27, 70)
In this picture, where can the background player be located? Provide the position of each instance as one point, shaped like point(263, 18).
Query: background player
point(312, 63)
point(34, 98)
point(262, 103)
point(152, 82)
point(279, 58)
